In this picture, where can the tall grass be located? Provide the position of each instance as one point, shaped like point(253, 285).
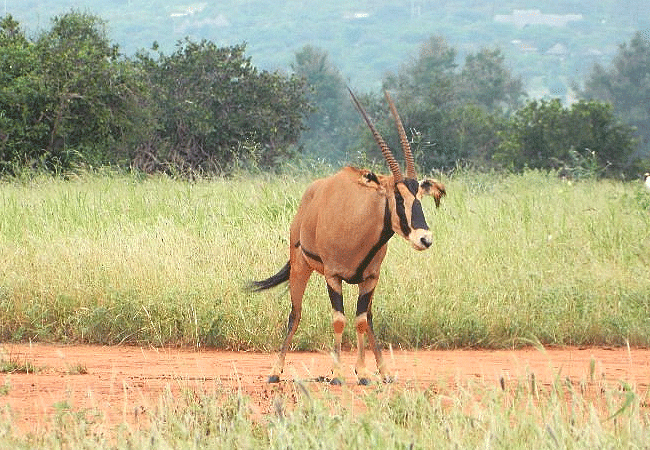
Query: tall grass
point(520, 257)
point(128, 259)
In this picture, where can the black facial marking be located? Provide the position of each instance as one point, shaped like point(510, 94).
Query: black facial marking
point(386, 233)
point(417, 216)
point(364, 302)
point(412, 185)
point(336, 298)
point(401, 213)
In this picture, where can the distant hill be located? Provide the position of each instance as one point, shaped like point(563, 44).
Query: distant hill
point(550, 44)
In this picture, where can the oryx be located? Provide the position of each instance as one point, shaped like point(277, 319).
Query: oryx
point(341, 230)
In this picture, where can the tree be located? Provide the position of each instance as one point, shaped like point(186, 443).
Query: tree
point(330, 125)
point(91, 93)
point(70, 98)
point(22, 134)
point(486, 81)
point(453, 114)
point(626, 85)
point(428, 78)
point(585, 136)
point(213, 102)
point(425, 94)
point(65, 98)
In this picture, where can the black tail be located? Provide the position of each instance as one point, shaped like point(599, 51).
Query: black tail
point(278, 278)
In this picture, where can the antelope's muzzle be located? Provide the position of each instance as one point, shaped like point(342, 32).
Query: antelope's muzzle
point(420, 239)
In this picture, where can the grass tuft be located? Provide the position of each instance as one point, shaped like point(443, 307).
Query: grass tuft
point(12, 364)
point(16, 366)
point(77, 369)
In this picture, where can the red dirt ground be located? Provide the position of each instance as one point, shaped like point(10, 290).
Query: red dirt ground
point(123, 383)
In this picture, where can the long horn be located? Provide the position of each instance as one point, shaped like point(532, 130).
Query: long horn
point(406, 147)
point(385, 150)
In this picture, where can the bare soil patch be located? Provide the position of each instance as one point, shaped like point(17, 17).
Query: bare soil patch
point(124, 383)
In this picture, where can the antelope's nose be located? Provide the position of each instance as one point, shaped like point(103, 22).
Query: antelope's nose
point(421, 239)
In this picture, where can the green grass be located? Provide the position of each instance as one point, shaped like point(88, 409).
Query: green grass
point(307, 416)
point(15, 365)
point(128, 259)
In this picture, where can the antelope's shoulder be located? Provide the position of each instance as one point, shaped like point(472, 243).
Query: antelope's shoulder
point(364, 177)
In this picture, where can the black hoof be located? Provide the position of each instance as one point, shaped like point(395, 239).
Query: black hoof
point(364, 381)
point(336, 382)
point(273, 379)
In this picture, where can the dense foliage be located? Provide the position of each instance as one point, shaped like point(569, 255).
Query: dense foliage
point(582, 139)
point(476, 114)
point(65, 97)
point(455, 112)
point(69, 98)
point(215, 107)
point(333, 124)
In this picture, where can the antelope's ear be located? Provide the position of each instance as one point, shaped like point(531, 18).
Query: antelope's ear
point(434, 188)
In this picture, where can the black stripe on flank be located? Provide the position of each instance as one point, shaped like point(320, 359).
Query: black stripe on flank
point(386, 233)
point(312, 256)
point(412, 185)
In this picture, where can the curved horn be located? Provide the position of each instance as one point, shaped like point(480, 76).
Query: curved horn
point(406, 147)
point(385, 150)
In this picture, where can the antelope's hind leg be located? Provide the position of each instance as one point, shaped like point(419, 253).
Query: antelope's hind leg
point(292, 326)
point(363, 323)
point(297, 283)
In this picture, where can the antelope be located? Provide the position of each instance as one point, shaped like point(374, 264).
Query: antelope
point(341, 230)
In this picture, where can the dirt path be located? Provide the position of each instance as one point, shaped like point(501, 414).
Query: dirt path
point(124, 382)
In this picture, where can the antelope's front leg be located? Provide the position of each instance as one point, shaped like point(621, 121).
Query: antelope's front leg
point(363, 323)
point(334, 289)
